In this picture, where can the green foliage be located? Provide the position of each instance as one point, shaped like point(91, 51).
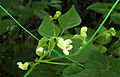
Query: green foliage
point(39, 5)
point(51, 45)
point(26, 12)
point(103, 8)
point(72, 71)
point(5, 26)
point(99, 7)
point(43, 42)
point(100, 58)
point(44, 70)
point(69, 19)
point(116, 18)
point(85, 53)
point(102, 48)
point(96, 66)
point(40, 13)
point(9, 4)
point(103, 39)
point(47, 28)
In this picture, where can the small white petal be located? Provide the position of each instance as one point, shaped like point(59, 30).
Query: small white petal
point(80, 47)
point(19, 64)
point(39, 49)
point(61, 43)
point(69, 47)
point(66, 52)
point(60, 39)
point(68, 41)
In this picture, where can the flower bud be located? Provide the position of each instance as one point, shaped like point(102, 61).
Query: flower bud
point(50, 17)
point(39, 51)
point(83, 35)
point(112, 31)
point(107, 35)
point(57, 14)
point(83, 43)
point(83, 29)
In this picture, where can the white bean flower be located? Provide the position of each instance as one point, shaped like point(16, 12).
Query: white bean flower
point(65, 45)
point(40, 51)
point(23, 66)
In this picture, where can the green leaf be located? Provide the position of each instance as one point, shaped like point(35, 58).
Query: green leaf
point(5, 25)
point(102, 39)
point(67, 36)
point(118, 34)
point(102, 65)
point(97, 65)
point(41, 13)
point(43, 42)
point(9, 4)
point(39, 5)
point(115, 18)
point(114, 46)
point(72, 71)
point(98, 7)
point(118, 51)
point(90, 33)
point(43, 70)
point(102, 48)
point(51, 45)
point(85, 53)
point(69, 19)
point(48, 29)
point(26, 12)
point(77, 30)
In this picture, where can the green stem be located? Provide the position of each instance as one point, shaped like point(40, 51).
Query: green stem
point(30, 70)
point(55, 58)
point(101, 34)
point(58, 63)
point(34, 65)
point(62, 32)
point(18, 23)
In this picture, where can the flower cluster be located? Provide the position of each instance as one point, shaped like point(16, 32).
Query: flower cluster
point(83, 32)
point(82, 35)
point(110, 32)
point(65, 45)
point(57, 14)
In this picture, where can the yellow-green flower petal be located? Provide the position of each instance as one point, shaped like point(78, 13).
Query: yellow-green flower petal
point(64, 44)
point(23, 66)
point(65, 52)
point(69, 47)
point(83, 29)
point(68, 41)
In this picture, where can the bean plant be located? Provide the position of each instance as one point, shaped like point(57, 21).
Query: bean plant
point(86, 53)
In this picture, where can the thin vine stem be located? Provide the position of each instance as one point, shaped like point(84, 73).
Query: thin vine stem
point(18, 22)
point(101, 34)
point(57, 63)
point(61, 33)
